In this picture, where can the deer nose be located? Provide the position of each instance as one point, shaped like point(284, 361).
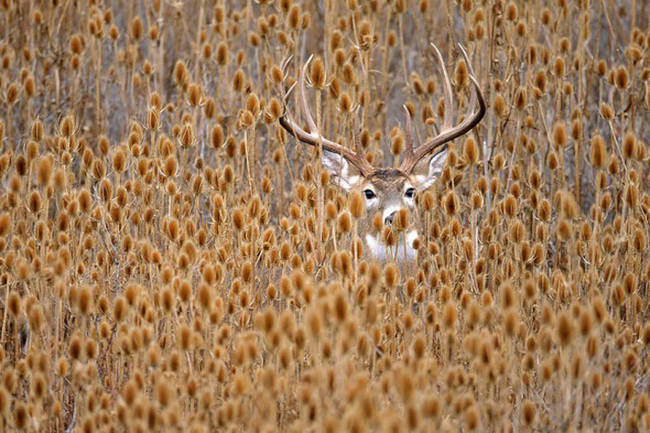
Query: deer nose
point(389, 219)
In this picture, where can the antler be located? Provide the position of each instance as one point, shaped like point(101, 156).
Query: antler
point(413, 157)
point(314, 138)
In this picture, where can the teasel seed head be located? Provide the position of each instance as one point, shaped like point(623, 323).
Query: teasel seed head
point(520, 98)
point(606, 111)
point(317, 73)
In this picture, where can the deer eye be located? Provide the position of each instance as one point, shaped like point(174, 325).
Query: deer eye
point(369, 193)
point(410, 192)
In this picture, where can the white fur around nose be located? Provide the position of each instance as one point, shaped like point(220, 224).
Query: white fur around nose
point(389, 210)
point(382, 252)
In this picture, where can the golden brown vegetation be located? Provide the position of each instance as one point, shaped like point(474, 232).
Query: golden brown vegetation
point(163, 266)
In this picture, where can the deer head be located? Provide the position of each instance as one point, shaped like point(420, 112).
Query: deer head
point(388, 191)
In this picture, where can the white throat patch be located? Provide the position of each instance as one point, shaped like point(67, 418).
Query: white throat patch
point(382, 252)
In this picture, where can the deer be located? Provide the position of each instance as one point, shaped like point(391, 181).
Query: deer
point(387, 190)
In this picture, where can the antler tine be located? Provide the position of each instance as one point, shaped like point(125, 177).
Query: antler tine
point(313, 137)
point(285, 64)
point(303, 96)
point(472, 99)
point(355, 131)
point(408, 134)
point(448, 93)
point(449, 134)
point(464, 53)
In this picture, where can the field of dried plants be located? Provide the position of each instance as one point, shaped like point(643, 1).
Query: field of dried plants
point(172, 260)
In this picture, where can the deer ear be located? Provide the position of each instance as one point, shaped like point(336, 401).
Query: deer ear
point(346, 175)
point(432, 170)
